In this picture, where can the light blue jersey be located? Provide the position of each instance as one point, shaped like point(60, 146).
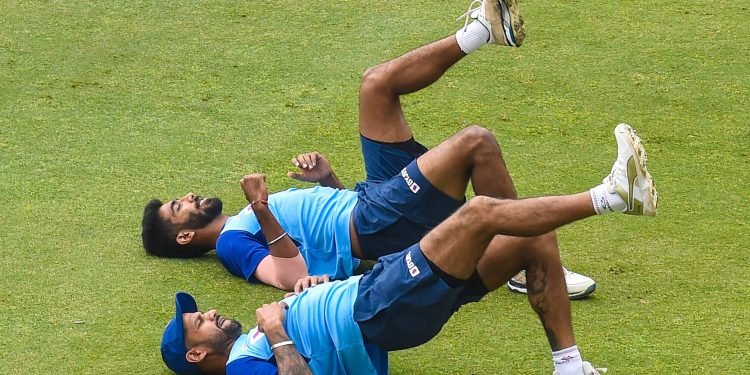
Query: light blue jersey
point(320, 322)
point(316, 219)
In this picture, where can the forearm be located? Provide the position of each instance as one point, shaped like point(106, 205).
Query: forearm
point(282, 273)
point(288, 359)
point(332, 181)
point(284, 247)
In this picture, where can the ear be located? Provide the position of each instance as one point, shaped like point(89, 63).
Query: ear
point(195, 355)
point(185, 236)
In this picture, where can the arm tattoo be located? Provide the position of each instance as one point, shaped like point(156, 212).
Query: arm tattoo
point(290, 362)
point(288, 359)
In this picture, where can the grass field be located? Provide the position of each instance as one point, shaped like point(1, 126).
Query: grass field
point(104, 105)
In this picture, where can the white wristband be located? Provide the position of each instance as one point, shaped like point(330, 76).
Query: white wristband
point(273, 241)
point(280, 344)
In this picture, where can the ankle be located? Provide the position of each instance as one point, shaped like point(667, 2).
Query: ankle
point(568, 361)
point(472, 37)
point(605, 201)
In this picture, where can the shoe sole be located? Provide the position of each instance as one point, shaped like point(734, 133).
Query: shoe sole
point(649, 195)
point(583, 294)
point(495, 11)
point(520, 288)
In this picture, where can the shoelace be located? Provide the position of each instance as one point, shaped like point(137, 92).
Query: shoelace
point(471, 10)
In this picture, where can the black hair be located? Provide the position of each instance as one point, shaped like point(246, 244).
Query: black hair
point(160, 236)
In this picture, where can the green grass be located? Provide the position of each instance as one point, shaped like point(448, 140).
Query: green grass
point(105, 105)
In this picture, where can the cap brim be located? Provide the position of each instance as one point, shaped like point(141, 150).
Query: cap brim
point(184, 303)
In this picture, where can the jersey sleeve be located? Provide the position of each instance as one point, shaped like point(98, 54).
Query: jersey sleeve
point(251, 366)
point(240, 253)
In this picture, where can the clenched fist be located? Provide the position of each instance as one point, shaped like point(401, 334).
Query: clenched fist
point(254, 186)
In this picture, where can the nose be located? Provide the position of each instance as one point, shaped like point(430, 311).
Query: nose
point(211, 314)
point(189, 197)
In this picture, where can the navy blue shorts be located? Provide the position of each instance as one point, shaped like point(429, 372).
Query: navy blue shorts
point(385, 160)
point(396, 212)
point(401, 303)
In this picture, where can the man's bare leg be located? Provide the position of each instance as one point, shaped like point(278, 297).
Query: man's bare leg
point(547, 292)
point(628, 188)
point(466, 242)
point(380, 115)
point(457, 244)
point(474, 153)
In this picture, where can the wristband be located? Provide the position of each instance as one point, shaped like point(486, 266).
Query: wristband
point(273, 241)
point(280, 344)
point(261, 201)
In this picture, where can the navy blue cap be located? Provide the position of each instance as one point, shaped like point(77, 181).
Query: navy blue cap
point(173, 349)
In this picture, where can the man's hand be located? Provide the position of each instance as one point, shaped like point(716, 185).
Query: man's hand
point(288, 360)
point(271, 316)
point(313, 167)
point(254, 186)
point(309, 282)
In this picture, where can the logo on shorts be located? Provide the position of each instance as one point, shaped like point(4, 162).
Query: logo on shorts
point(413, 270)
point(413, 186)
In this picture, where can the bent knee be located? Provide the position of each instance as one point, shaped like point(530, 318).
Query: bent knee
point(476, 209)
point(544, 245)
point(480, 143)
point(374, 78)
point(477, 137)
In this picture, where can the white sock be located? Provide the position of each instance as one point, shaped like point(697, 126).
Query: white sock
point(568, 361)
point(472, 37)
point(606, 202)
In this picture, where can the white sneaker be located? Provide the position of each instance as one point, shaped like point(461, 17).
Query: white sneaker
point(579, 286)
point(629, 177)
point(502, 18)
point(589, 369)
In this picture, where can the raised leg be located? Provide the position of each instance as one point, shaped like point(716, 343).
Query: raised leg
point(380, 115)
point(473, 153)
point(457, 244)
point(468, 241)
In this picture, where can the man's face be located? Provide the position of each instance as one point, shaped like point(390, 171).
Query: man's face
point(191, 211)
point(209, 330)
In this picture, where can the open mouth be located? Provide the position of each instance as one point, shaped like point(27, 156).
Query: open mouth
point(220, 321)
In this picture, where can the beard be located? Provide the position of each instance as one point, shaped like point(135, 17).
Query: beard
point(228, 334)
point(210, 211)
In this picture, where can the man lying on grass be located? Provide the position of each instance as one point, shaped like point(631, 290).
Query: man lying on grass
point(348, 326)
point(326, 230)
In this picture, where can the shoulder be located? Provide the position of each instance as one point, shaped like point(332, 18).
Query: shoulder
point(240, 252)
point(252, 366)
point(238, 238)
